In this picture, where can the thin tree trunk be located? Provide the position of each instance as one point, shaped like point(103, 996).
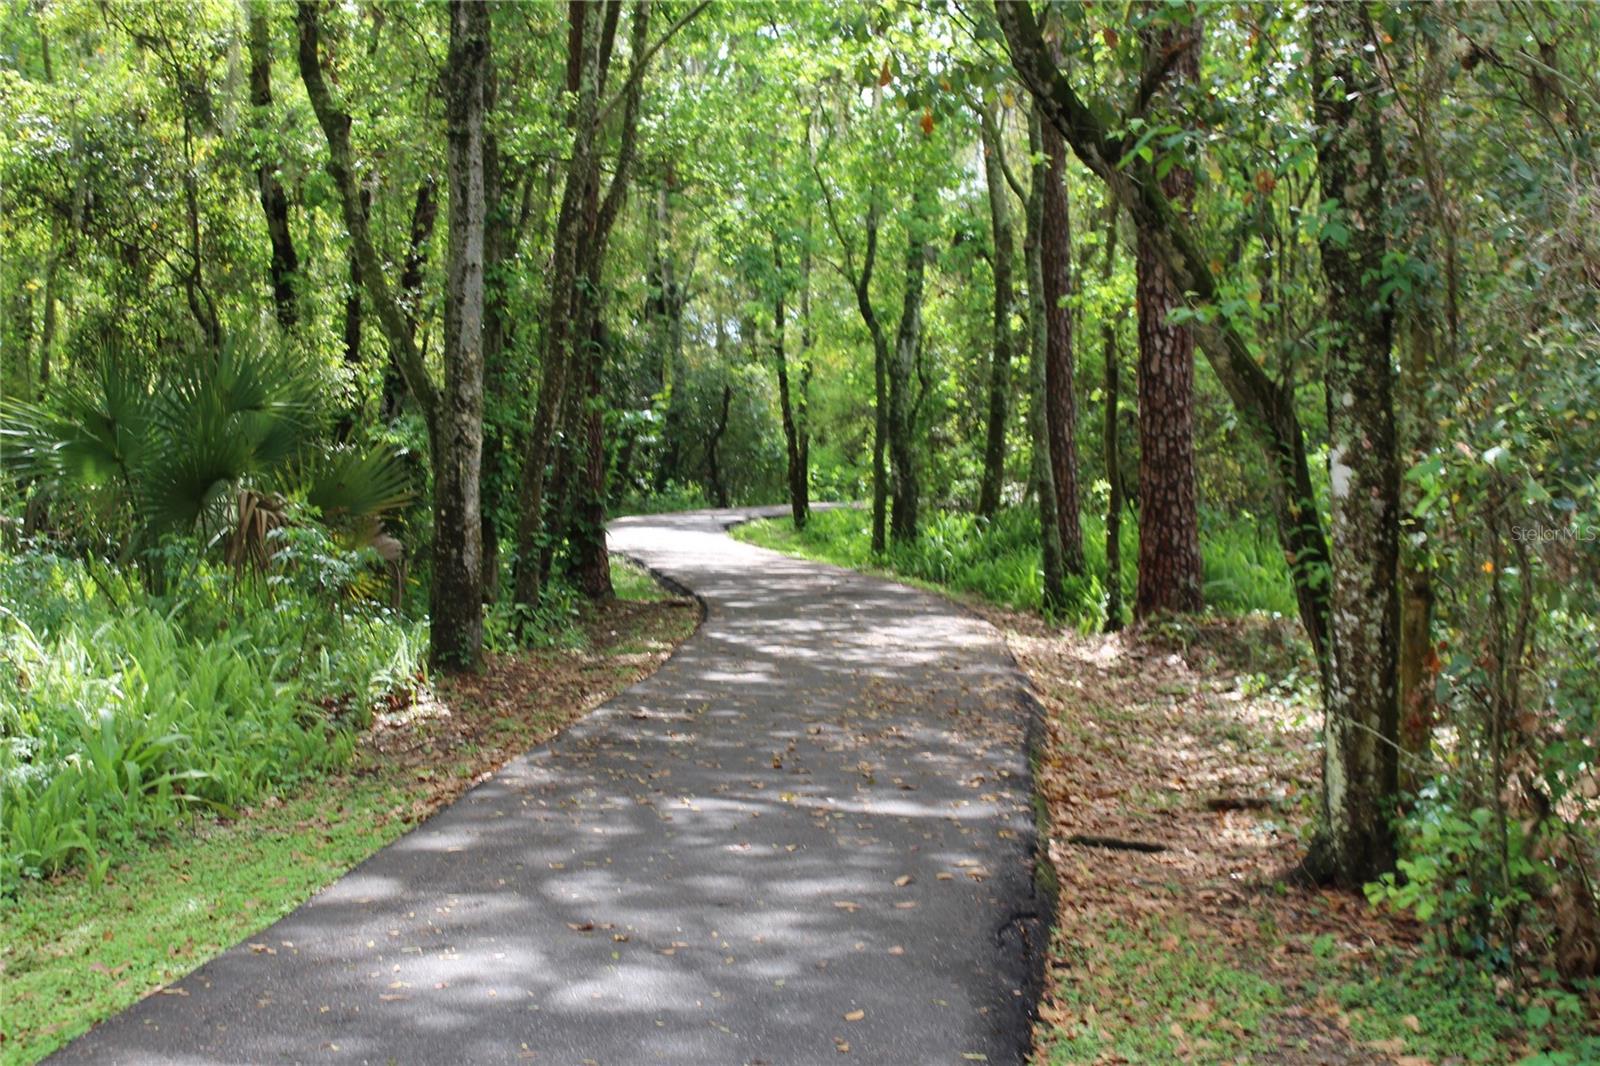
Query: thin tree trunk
point(907, 345)
point(719, 489)
point(591, 560)
point(583, 78)
point(1061, 403)
point(798, 508)
point(1171, 577)
point(1054, 593)
point(1355, 842)
point(1111, 432)
point(285, 265)
point(994, 451)
point(803, 400)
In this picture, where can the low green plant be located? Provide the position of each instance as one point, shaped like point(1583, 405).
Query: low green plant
point(122, 712)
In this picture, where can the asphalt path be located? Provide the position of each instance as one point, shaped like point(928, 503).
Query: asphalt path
point(807, 838)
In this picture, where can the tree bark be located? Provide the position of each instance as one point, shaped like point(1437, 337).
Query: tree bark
point(591, 560)
point(454, 414)
point(456, 603)
point(1355, 843)
point(907, 345)
point(994, 449)
point(798, 503)
point(285, 264)
point(585, 49)
point(1112, 440)
point(1171, 576)
point(424, 212)
point(1061, 403)
point(1266, 406)
point(719, 489)
point(1054, 593)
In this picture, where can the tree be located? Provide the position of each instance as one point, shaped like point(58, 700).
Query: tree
point(994, 451)
point(1054, 594)
point(274, 201)
point(454, 412)
point(1170, 573)
point(1266, 406)
point(1060, 400)
point(1359, 780)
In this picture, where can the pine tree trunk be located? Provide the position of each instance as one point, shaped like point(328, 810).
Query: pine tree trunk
point(1170, 571)
point(994, 450)
point(1054, 593)
point(1355, 843)
point(1061, 404)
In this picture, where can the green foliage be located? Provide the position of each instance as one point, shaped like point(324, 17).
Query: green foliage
point(122, 712)
point(136, 451)
point(999, 560)
point(1464, 875)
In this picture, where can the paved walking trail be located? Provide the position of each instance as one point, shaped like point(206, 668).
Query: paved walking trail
point(806, 839)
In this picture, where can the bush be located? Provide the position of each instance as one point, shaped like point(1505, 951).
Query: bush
point(122, 712)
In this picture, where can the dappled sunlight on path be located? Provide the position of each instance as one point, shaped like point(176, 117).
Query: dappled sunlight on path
point(808, 833)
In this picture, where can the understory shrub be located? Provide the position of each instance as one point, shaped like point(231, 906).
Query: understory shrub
point(122, 712)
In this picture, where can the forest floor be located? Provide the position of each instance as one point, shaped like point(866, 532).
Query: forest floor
point(1196, 740)
point(72, 953)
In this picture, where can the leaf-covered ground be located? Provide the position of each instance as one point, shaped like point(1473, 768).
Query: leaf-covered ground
point(1198, 739)
point(72, 954)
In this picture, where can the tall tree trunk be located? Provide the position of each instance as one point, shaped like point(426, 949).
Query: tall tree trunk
point(803, 399)
point(454, 414)
point(1061, 403)
point(1112, 439)
point(1170, 571)
point(994, 450)
point(591, 560)
point(798, 503)
point(285, 264)
point(584, 48)
point(666, 317)
point(907, 345)
point(1355, 842)
point(880, 379)
point(456, 603)
point(1044, 485)
point(499, 237)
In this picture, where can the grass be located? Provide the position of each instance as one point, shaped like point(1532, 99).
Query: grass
point(74, 950)
point(998, 561)
point(1160, 990)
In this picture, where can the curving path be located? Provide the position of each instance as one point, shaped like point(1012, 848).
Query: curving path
point(807, 838)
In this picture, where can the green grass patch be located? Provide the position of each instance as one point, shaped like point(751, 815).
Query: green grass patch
point(998, 560)
point(1158, 992)
point(1161, 991)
